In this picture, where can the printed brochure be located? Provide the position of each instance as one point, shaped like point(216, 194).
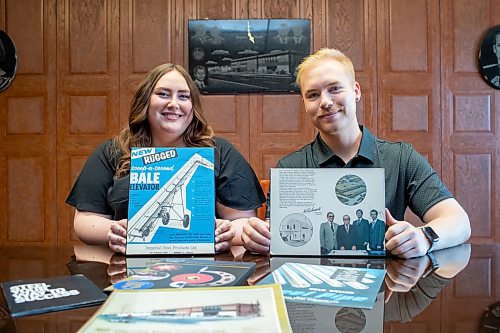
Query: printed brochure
point(327, 212)
point(171, 201)
point(256, 309)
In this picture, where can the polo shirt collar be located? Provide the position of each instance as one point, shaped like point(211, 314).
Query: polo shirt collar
point(367, 148)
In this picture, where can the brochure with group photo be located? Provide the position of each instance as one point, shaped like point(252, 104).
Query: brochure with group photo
point(171, 201)
point(315, 318)
point(327, 212)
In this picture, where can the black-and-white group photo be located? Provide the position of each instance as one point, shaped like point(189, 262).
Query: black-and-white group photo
point(231, 56)
point(489, 57)
point(353, 233)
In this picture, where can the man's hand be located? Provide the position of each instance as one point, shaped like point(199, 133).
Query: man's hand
point(117, 236)
point(403, 239)
point(402, 275)
point(256, 236)
point(224, 235)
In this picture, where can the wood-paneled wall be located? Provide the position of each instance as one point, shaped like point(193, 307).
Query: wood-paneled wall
point(81, 60)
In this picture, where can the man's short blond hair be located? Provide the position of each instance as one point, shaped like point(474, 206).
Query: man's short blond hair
point(323, 54)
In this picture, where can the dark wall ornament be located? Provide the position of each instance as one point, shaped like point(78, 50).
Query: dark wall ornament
point(8, 61)
point(246, 56)
point(489, 57)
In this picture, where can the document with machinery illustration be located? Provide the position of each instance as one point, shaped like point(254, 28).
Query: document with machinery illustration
point(256, 309)
point(171, 201)
point(327, 212)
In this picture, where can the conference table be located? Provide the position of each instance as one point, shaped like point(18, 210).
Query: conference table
point(462, 295)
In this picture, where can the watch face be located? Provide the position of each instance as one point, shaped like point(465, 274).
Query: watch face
point(431, 234)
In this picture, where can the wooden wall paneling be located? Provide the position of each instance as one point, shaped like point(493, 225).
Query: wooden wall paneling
point(350, 26)
point(408, 73)
point(419, 312)
point(464, 303)
point(281, 9)
point(181, 12)
point(470, 109)
point(230, 117)
point(2, 13)
point(216, 9)
point(27, 113)
point(277, 122)
point(150, 34)
point(87, 84)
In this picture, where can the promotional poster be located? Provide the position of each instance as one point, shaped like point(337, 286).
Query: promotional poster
point(171, 201)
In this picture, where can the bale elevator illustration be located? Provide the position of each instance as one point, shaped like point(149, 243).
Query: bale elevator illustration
point(168, 206)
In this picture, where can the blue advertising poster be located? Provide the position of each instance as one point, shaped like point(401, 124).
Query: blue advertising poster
point(171, 201)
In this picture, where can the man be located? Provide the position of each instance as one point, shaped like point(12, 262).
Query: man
point(347, 235)
point(330, 92)
point(377, 232)
point(328, 234)
point(363, 228)
point(200, 73)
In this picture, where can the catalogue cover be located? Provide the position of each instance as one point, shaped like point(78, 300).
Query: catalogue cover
point(256, 309)
point(34, 296)
point(327, 212)
point(171, 201)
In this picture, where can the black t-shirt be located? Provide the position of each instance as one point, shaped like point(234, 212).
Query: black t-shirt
point(97, 189)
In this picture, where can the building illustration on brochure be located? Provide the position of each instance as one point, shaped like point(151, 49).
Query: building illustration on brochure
point(171, 201)
point(327, 212)
point(226, 309)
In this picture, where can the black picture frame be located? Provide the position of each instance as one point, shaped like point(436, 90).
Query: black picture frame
point(8, 61)
point(247, 56)
point(489, 57)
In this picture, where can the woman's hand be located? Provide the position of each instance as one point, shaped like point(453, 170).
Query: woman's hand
point(117, 236)
point(224, 235)
point(256, 236)
point(117, 269)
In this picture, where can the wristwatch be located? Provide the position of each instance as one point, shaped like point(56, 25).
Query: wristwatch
point(433, 265)
point(431, 236)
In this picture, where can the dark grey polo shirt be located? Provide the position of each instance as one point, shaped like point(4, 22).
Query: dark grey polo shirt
point(410, 181)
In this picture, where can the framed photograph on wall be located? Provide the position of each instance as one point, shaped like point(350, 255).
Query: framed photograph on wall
point(246, 56)
point(489, 57)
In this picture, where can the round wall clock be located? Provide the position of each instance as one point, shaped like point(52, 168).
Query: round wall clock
point(489, 57)
point(8, 61)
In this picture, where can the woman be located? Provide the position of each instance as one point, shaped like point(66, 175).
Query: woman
point(166, 112)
